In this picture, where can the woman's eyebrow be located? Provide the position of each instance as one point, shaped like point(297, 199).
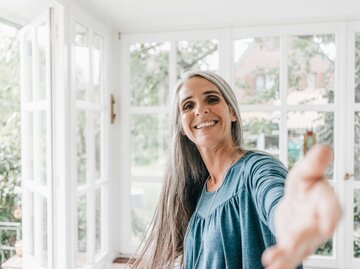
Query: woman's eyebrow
point(211, 92)
point(204, 93)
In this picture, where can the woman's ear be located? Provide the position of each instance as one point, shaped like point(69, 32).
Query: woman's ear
point(182, 132)
point(233, 116)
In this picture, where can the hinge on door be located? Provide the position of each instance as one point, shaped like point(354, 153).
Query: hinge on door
point(348, 176)
point(112, 109)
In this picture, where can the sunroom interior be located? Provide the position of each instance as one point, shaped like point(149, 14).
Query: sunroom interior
point(85, 89)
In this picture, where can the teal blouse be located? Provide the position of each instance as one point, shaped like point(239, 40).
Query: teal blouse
point(240, 223)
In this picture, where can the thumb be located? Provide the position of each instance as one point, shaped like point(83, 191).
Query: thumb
point(313, 165)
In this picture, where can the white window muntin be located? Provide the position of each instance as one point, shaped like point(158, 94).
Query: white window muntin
point(282, 31)
point(350, 185)
point(92, 184)
point(36, 192)
point(128, 110)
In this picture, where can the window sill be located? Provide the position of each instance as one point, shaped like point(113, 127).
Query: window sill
point(124, 259)
point(15, 262)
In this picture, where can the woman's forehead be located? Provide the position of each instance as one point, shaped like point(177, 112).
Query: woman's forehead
point(196, 85)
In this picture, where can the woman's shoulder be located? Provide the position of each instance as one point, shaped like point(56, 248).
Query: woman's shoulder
point(257, 159)
point(253, 155)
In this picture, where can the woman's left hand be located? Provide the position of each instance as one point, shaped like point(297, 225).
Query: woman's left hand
point(307, 215)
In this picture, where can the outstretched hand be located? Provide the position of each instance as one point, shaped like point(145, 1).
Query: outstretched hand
point(307, 215)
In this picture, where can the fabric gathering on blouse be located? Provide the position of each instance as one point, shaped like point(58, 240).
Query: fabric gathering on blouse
point(240, 223)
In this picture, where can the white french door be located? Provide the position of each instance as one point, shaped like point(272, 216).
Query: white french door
point(37, 161)
point(352, 178)
point(64, 127)
point(90, 122)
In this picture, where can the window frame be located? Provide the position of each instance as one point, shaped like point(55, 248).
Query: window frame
point(351, 184)
point(126, 109)
point(226, 38)
point(32, 187)
point(93, 23)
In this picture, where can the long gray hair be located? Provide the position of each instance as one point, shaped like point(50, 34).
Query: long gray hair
point(184, 178)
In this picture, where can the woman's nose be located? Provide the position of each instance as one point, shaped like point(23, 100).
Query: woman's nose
point(202, 109)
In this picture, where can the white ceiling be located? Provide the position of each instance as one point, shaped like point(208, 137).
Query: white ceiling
point(149, 15)
point(165, 15)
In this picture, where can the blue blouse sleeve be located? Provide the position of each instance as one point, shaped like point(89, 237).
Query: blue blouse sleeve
point(265, 183)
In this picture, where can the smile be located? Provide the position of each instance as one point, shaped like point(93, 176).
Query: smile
point(206, 124)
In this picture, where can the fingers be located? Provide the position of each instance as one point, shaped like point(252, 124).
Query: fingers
point(314, 163)
point(289, 254)
point(276, 258)
point(329, 211)
point(271, 254)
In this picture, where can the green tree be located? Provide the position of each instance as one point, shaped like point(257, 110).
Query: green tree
point(304, 49)
point(10, 152)
point(149, 86)
point(356, 242)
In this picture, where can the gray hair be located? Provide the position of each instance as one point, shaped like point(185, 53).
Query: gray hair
point(184, 178)
point(226, 91)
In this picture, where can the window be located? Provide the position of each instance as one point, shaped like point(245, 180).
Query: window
point(256, 63)
point(90, 130)
point(289, 84)
point(10, 162)
point(154, 68)
point(354, 178)
point(65, 173)
point(37, 158)
point(292, 106)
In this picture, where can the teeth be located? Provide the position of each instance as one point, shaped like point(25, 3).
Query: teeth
point(205, 124)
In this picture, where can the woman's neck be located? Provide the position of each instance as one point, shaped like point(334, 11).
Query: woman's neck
point(218, 161)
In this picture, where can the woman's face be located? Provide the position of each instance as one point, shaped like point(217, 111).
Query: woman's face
point(205, 115)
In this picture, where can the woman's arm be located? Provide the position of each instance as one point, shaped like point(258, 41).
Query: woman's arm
point(308, 213)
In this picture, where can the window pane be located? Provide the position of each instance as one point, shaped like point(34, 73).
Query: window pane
point(81, 146)
point(149, 73)
point(28, 66)
point(197, 55)
point(81, 231)
point(325, 249)
point(357, 146)
point(144, 198)
point(261, 131)
point(28, 125)
point(45, 232)
point(98, 221)
point(31, 230)
point(357, 224)
point(257, 63)
point(40, 147)
point(82, 61)
point(357, 67)
point(311, 69)
point(98, 57)
point(43, 43)
point(149, 136)
point(302, 124)
point(97, 118)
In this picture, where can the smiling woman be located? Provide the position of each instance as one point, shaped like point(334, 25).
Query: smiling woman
point(223, 206)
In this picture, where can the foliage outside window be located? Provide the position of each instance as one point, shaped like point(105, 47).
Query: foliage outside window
point(10, 151)
point(257, 63)
point(149, 87)
point(356, 211)
point(310, 81)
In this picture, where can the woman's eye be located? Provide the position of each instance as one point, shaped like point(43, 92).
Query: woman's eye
point(187, 106)
point(213, 99)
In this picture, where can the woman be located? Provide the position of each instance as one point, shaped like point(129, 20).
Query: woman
point(222, 206)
